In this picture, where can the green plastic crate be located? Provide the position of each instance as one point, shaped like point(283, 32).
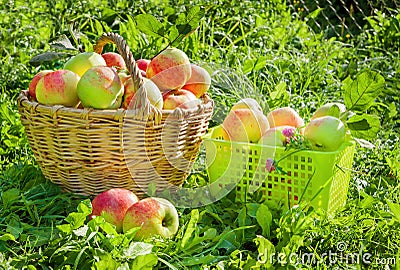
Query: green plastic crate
point(318, 179)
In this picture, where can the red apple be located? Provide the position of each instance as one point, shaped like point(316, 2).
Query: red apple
point(142, 64)
point(153, 93)
point(112, 205)
point(34, 81)
point(284, 116)
point(114, 60)
point(179, 98)
point(170, 69)
point(58, 88)
point(154, 216)
point(199, 82)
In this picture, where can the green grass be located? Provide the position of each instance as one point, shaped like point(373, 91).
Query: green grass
point(255, 50)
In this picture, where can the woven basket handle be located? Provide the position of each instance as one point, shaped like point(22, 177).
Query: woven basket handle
point(141, 102)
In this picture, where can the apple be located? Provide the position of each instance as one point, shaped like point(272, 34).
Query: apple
point(247, 103)
point(245, 125)
point(325, 133)
point(275, 137)
point(153, 93)
point(100, 88)
point(170, 69)
point(179, 98)
point(83, 61)
point(112, 205)
point(124, 76)
point(284, 116)
point(142, 64)
point(154, 216)
point(199, 82)
point(333, 109)
point(34, 81)
point(58, 88)
point(114, 59)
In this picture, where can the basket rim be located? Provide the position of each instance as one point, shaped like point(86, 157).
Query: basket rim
point(207, 137)
point(24, 100)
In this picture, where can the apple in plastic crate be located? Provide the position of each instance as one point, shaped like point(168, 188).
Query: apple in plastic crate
point(245, 125)
point(199, 82)
point(181, 98)
point(325, 133)
point(35, 80)
point(154, 216)
point(335, 109)
point(100, 88)
point(112, 205)
point(277, 136)
point(170, 69)
point(58, 88)
point(115, 60)
point(284, 116)
point(153, 93)
point(81, 62)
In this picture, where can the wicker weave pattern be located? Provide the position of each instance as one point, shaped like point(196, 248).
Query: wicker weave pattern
point(88, 151)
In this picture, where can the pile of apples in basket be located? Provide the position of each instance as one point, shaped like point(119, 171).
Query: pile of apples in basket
point(101, 81)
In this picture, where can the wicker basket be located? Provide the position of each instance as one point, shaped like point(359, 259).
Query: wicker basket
point(88, 151)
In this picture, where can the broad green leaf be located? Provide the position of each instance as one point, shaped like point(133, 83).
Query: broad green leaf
point(186, 24)
point(62, 43)
point(14, 228)
point(395, 209)
point(191, 227)
point(149, 25)
point(85, 207)
point(359, 94)
point(10, 195)
point(201, 260)
point(266, 250)
point(7, 237)
point(136, 249)
point(264, 219)
point(46, 57)
point(364, 126)
point(144, 262)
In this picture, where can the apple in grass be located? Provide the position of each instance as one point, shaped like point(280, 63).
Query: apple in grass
point(335, 109)
point(112, 205)
point(153, 93)
point(199, 82)
point(100, 88)
point(81, 62)
point(181, 98)
point(58, 88)
point(115, 60)
point(284, 116)
point(170, 69)
point(154, 216)
point(35, 80)
point(325, 133)
point(277, 136)
point(245, 125)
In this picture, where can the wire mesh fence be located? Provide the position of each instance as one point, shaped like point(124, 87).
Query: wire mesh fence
point(342, 18)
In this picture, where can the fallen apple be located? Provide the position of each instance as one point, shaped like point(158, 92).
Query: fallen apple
point(181, 98)
point(170, 69)
point(100, 88)
point(245, 125)
point(284, 116)
point(34, 81)
point(199, 81)
point(58, 88)
point(153, 93)
point(115, 60)
point(325, 133)
point(81, 62)
point(154, 216)
point(112, 205)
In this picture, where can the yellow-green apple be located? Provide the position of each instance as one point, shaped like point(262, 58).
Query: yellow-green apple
point(100, 88)
point(83, 61)
point(199, 82)
point(153, 93)
point(170, 69)
point(277, 136)
point(34, 81)
point(154, 216)
point(247, 103)
point(112, 205)
point(179, 98)
point(114, 59)
point(325, 133)
point(58, 88)
point(245, 125)
point(284, 116)
point(332, 108)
